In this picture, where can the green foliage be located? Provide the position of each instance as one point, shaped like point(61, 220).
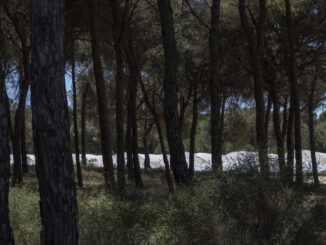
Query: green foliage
point(223, 208)
point(25, 215)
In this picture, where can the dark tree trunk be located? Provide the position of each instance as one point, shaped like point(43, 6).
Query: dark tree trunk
point(177, 153)
point(133, 83)
point(147, 161)
point(23, 146)
point(256, 47)
point(101, 96)
point(311, 108)
point(267, 117)
point(130, 163)
point(216, 136)
point(118, 47)
point(74, 92)
point(193, 131)
point(6, 237)
point(160, 134)
point(8, 111)
point(16, 144)
point(290, 145)
point(137, 173)
point(294, 94)
point(278, 131)
point(54, 165)
point(83, 125)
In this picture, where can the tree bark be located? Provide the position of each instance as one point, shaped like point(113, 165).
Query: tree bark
point(177, 153)
point(101, 96)
point(23, 146)
point(147, 161)
point(294, 94)
point(311, 108)
point(6, 237)
point(118, 47)
point(256, 47)
point(278, 131)
point(193, 131)
point(290, 145)
point(83, 126)
point(216, 136)
point(130, 163)
point(74, 91)
point(54, 165)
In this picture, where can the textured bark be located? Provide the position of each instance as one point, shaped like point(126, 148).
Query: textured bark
point(216, 136)
point(294, 94)
point(255, 39)
point(6, 237)
point(177, 154)
point(75, 119)
point(193, 131)
point(54, 165)
point(101, 96)
point(83, 125)
point(118, 47)
point(311, 108)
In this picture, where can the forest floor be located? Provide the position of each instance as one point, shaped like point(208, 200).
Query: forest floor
point(155, 188)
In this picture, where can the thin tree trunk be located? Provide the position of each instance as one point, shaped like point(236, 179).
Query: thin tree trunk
point(256, 47)
point(311, 109)
point(177, 153)
point(137, 172)
point(54, 165)
point(23, 146)
point(193, 131)
point(156, 120)
point(118, 47)
point(290, 145)
point(83, 126)
point(147, 161)
point(8, 111)
point(216, 136)
point(294, 94)
point(101, 96)
point(74, 91)
point(6, 237)
point(130, 163)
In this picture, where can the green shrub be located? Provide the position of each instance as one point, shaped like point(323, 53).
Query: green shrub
point(25, 215)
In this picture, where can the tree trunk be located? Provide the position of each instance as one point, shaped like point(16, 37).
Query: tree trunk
point(101, 96)
point(54, 165)
point(294, 94)
point(216, 136)
point(118, 47)
point(16, 144)
point(278, 131)
point(6, 237)
point(290, 145)
point(256, 48)
point(177, 153)
point(8, 113)
point(193, 131)
point(129, 136)
point(23, 146)
point(74, 91)
point(311, 108)
point(83, 126)
point(137, 173)
point(147, 161)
